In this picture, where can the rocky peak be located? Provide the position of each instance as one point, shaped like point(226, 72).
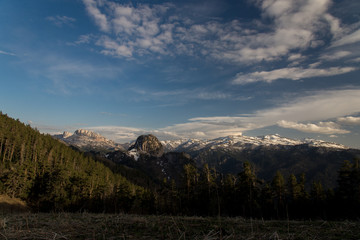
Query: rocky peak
point(89, 141)
point(66, 134)
point(86, 133)
point(148, 144)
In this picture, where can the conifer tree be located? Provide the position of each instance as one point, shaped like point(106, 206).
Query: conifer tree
point(278, 189)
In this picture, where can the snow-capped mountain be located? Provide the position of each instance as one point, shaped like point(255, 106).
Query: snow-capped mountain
point(87, 140)
point(240, 142)
point(320, 160)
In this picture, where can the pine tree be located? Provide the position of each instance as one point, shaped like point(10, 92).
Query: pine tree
point(248, 190)
point(278, 189)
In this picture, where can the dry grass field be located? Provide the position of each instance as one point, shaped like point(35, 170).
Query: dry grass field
point(110, 226)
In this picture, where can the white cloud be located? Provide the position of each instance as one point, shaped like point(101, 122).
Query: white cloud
point(94, 12)
point(61, 20)
point(293, 73)
point(322, 127)
point(114, 48)
point(349, 120)
point(296, 25)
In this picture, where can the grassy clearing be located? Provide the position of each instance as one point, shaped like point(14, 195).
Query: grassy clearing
point(106, 226)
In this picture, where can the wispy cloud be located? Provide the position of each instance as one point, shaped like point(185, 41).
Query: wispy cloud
point(67, 76)
point(317, 106)
point(83, 39)
point(352, 38)
point(7, 53)
point(321, 127)
point(286, 26)
point(184, 95)
point(293, 73)
point(61, 20)
point(144, 29)
point(335, 55)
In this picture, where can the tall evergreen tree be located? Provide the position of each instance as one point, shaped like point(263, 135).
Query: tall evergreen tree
point(278, 189)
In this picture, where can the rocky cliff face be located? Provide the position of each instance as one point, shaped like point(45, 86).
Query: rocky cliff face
point(148, 144)
point(88, 141)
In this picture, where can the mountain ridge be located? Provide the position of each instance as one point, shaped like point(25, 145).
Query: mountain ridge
point(241, 141)
point(86, 139)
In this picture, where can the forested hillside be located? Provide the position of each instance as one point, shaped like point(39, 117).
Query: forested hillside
point(49, 175)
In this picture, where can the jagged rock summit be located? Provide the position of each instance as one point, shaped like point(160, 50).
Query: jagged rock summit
point(87, 140)
point(147, 155)
point(148, 144)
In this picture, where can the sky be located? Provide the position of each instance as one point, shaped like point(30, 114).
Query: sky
point(183, 69)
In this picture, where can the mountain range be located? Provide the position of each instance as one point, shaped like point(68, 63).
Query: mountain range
point(319, 159)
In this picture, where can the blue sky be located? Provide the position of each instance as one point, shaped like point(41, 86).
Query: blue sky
point(183, 69)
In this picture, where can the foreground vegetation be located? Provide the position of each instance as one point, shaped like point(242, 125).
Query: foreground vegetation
point(109, 226)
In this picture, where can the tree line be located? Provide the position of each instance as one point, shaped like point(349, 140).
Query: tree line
point(207, 193)
point(51, 176)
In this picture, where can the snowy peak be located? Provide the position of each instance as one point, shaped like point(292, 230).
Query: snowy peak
point(66, 135)
point(243, 142)
point(321, 143)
